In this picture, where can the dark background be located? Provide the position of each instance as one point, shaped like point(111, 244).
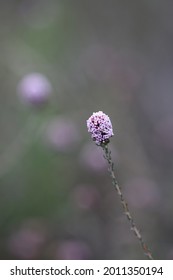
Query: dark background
point(56, 197)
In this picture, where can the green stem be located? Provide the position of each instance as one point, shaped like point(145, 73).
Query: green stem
point(134, 228)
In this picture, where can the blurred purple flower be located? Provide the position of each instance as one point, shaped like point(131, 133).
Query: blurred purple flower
point(91, 157)
point(142, 193)
point(27, 241)
point(34, 89)
point(86, 197)
point(73, 250)
point(100, 127)
point(62, 134)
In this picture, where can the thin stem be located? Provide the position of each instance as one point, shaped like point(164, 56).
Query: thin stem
point(134, 228)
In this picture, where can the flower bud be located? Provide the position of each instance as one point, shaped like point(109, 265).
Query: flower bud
point(100, 127)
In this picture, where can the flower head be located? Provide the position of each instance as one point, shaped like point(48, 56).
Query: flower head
point(100, 127)
point(34, 89)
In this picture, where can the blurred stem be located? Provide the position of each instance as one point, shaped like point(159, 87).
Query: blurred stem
point(134, 228)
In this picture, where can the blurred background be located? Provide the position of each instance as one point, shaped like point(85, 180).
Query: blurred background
point(60, 61)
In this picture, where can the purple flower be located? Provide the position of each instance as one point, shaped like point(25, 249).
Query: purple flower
point(73, 250)
point(100, 127)
point(34, 89)
point(62, 134)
